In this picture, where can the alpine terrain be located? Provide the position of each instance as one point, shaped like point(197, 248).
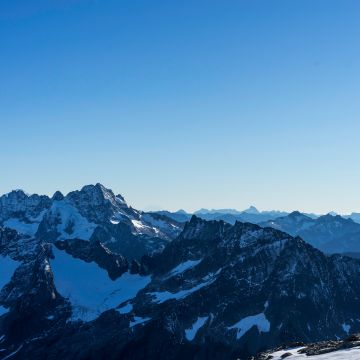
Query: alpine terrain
point(85, 276)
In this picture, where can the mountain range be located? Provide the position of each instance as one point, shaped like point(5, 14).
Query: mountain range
point(85, 276)
point(331, 234)
point(252, 215)
point(92, 213)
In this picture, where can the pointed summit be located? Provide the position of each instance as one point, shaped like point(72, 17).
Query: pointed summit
point(58, 196)
point(252, 210)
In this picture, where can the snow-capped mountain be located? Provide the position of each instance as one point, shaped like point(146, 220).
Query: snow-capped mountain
point(218, 291)
point(331, 234)
point(23, 212)
point(93, 213)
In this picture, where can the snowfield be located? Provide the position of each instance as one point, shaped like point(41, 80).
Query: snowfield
point(244, 325)
point(89, 288)
point(349, 354)
point(72, 224)
point(22, 227)
point(198, 324)
point(7, 268)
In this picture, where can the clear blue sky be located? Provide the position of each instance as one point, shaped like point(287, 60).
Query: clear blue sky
point(184, 104)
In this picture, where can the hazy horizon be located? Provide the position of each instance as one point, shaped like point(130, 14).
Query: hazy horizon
point(190, 211)
point(184, 105)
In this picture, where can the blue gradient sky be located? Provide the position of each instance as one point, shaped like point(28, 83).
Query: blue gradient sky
point(184, 104)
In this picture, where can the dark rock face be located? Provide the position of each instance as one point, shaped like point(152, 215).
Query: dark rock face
point(331, 234)
point(115, 264)
point(18, 204)
point(217, 291)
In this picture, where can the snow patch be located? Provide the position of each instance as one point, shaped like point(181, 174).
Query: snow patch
point(22, 227)
point(138, 320)
point(348, 354)
point(163, 296)
point(89, 288)
point(125, 309)
point(3, 310)
point(138, 224)
point(72, 224)
point(244, 325)
point(184, 266)
point(191, 332)
point(7, 268)
point(141, 228)
point(346, 328)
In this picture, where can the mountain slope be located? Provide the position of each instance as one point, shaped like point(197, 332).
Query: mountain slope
point(331, 234)
point(93, 213)
point(217, 292)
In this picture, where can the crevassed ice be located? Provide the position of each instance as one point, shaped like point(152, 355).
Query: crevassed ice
point(89, 288)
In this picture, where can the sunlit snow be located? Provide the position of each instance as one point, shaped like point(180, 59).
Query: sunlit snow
point(73, 225)
point(348, 354)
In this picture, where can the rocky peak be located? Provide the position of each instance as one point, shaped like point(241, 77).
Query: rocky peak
point(200, 228)
point(252, 210)
point(17, 201)
point(99, 204)
point(58, 196)
point(298, 216)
